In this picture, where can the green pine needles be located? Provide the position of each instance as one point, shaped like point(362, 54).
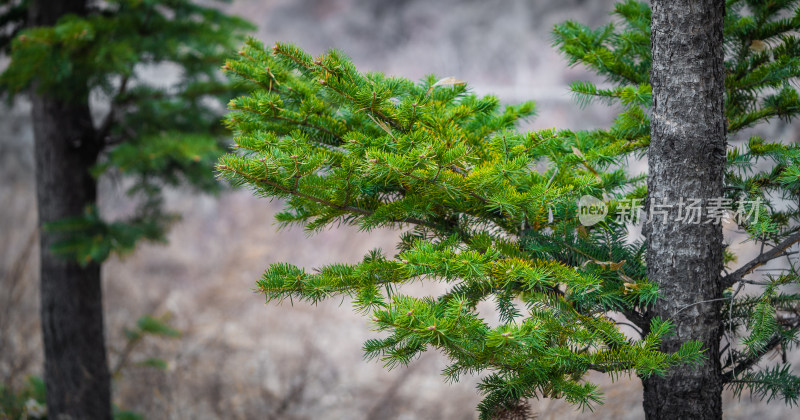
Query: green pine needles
point(445, 165)
point(492, 211)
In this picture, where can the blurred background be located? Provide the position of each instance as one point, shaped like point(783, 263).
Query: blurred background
point(240, 359)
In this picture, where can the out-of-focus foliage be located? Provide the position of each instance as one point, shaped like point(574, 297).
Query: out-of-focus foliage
point(29, 402)
point(157, 131)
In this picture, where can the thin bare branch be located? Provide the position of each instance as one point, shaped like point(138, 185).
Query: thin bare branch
point(751, 360)
point(763, 258)
point(105, 128)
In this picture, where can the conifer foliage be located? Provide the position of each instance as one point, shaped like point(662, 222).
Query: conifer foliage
point(492, 211)
point(448, 168)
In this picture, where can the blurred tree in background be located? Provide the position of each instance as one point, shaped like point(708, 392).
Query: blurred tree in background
point(493, 212)
point(156, 133)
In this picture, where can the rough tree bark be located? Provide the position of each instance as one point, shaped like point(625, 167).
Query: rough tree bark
point(686, 161)
point(76, 369)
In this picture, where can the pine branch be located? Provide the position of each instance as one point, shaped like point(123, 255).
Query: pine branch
point(300, 290)
point(751, 360)
point(763, 258)
point(312, 126)
point(297, 193)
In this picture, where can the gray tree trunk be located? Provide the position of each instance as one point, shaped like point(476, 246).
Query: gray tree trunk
point(686, 161)
point(76, 369)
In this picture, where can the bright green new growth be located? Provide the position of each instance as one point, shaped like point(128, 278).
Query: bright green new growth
point(445, 165)
point(492, 212)
point(158, 133)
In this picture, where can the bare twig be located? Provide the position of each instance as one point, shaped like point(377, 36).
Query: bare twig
point(752, 360)
point(763, 258)
point(105, 127)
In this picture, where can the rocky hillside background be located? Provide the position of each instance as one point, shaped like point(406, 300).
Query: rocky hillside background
point(240, 359)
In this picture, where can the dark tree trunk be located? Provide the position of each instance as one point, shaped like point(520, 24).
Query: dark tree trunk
point(76, 370)
point(686, 161)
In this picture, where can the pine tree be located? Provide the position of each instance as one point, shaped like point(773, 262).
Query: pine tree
point(492, 211)
point(157, 135)
point(759, 68)
point(373, 151)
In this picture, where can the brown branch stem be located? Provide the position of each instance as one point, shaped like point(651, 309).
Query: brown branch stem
point(762, 259)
